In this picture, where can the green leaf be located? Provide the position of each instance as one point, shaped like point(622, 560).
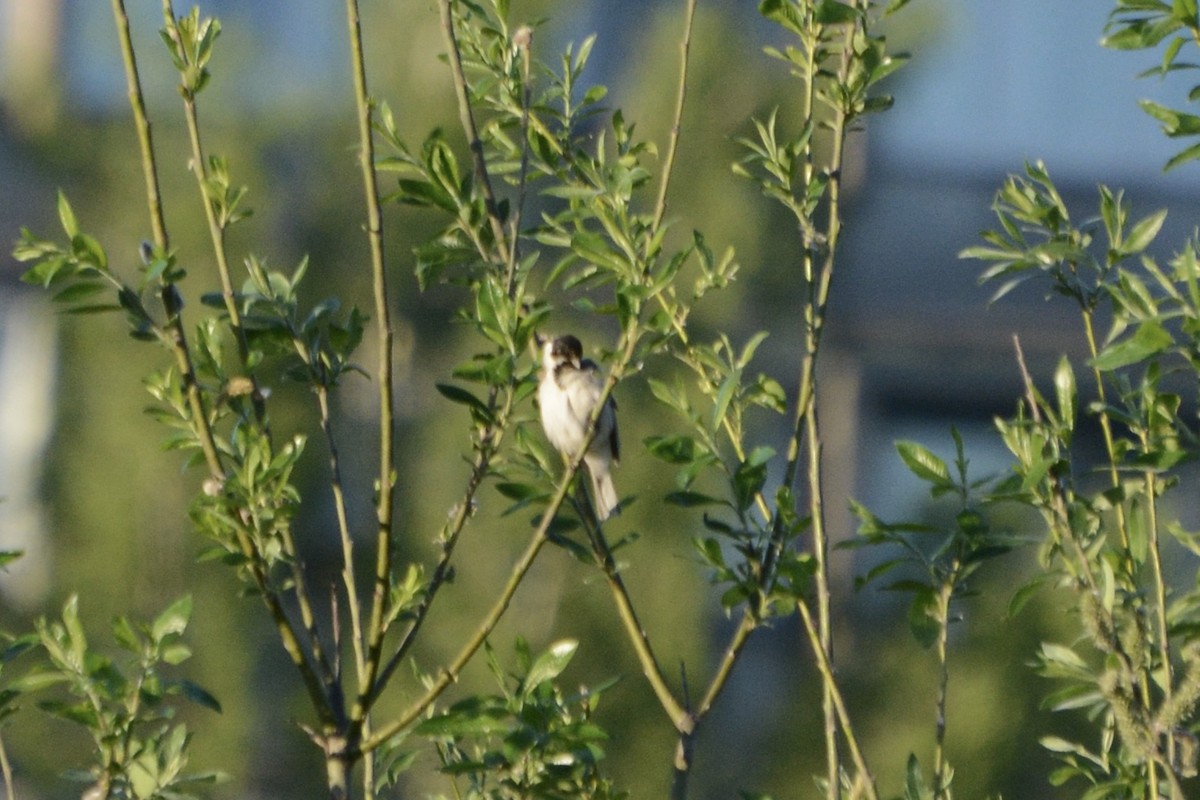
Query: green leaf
point(1182, 157)
point(724, 397)
point(749, 479)
point(1139, 534)
point(1024, 594)
point(688, 499)
point(176, 653)
point(471, 717)
point(672, 449)
point(46, 271)
point(832, 12)
point(1143, 233)
point(125, 635)
point(922, 617)
point(1059, 654)
point(518, 491)
point(914, 781)
point(174, 620)
point(1065, 391)
point(76, 637)
point(457, 394)
point(1148, 340)
point(67, 216)
point(710, 550)
point(199, 695)
point(923, 463)
point(1174, 123)
point(79, 291)
point(550, 664)
point(36, 681)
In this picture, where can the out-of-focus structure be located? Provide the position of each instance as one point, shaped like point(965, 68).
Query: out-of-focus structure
point(912, 346)
point(30, 47)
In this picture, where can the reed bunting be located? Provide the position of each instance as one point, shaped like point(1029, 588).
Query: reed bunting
point(568, 389)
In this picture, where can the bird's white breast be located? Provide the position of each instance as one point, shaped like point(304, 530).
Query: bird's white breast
point(563, 428)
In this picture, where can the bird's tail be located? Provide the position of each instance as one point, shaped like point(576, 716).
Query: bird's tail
point(604, 494)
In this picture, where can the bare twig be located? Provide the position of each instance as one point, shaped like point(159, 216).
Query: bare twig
point(375, 630)
point(685, 46)
point(825, 666)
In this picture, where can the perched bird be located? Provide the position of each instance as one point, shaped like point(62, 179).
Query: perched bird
point(568, 390)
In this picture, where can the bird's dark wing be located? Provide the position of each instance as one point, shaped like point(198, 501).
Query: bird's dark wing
point(614, 442)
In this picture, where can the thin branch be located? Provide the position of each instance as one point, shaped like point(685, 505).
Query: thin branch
point(386, 481)
point(217, 235)
point(825, 666)
point(499, 411)
point(733, 650)
point(1109, 442)
point(685, 46)
point(172, 304)
point(818, 301)
point(524, 41)
point(347, 541)
point(141, 123)
point(945, 594)
point(6, 771)
point(1167, 679)
point(449, 674)
point(216, 228)
point(467, 118)
point(449, 537)
point(681, 718)
point(256, 564)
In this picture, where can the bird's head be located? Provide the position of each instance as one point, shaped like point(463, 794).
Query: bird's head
point(557, 350)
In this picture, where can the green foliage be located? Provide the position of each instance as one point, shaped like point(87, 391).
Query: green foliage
point(547, 200)
point(530, 740)
point(1133, 672)
point(1037, 236)
point(125, 704)
point(1146, 25)
point(944, 560)
point(190, 41)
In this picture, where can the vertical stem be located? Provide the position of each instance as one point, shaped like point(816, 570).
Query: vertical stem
point(1127, 554)
point(819, 300)
point(467, 119)
point(1160, 597)
point(1109, 445)
point(939, 759)
point(386, 481)
point(367, 666)
point(216, 229)
point(824, 624)
point(141, 123)
point(339, 504)
point(513, 254)
point(170, 297)
point(825, 667)
point(685, 46)
point(6, 771)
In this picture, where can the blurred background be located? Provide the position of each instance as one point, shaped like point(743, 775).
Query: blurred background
point(913, 348)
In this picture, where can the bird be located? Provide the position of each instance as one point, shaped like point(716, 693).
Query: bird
point(568, 389)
